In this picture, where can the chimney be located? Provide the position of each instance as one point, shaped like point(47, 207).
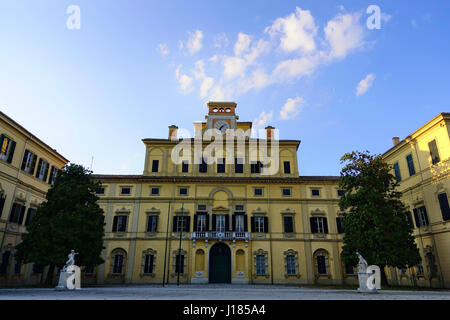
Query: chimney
point(269, 132)
point(173, 132)
point(395, 141)
point(198, 129)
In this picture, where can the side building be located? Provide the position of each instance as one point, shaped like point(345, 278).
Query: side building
point(27, 169)
point(421, 163)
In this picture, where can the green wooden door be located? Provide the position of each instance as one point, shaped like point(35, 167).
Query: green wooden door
point(220, 264)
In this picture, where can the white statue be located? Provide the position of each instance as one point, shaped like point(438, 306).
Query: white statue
point(71, 260)
point(362, 264)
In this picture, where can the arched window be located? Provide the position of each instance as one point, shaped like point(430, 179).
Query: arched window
point(321, 262)
point(118, 262)
point(291, 263)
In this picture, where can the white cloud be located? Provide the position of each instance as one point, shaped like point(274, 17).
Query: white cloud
point(385, 17)
point(344, 33)
point(184, 81)
point(221, 40)
point(163, 49)
point(233, 66)
point(206, 82)
point(242, 44)
point(194, 42)
point(296, 67)
point(262, 120)
point(297, 31)
point(365, 84)
point(291, 108)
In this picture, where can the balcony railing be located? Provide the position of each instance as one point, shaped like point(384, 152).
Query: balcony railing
point(217, 235)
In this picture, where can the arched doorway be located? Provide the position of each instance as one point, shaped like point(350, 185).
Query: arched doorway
point(220, 264)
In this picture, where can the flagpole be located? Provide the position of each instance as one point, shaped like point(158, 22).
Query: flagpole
point(167, 240)
point(179, 250)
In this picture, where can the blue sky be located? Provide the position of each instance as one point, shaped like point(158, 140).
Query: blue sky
point(312, 69)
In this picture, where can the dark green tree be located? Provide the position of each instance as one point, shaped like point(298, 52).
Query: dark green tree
point(376, 223)
point(70, 218)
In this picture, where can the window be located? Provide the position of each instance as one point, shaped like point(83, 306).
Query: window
point(18, 268)
point(89, 269)
point(2, 203)
point(239, 207)
point(410, 162)
point(203, 167)
point(37, 268)
point(183, 191)
point(319, 225)
point(118, 264)
point(42, 170)
point(419, 270)
point(321, 261)
point(17, 213)
point(53, 174)
point(420, 216)
point(7, 148)
point(179, 263)
point(154, 191)
point(260, 264)
point(148, 264)
point(258, 191)
point(152, 223)
point(286, 192)
point(291, 265)
point(339, 224)
point(397, 172)
point(125, 190)
point(434, 153)
point(185, 166)
point(238, 165)
point(5, 262)
point(288, 223)
point(155, 164)
point(28, 162)
point(30, 213)
point(260, 224)
point(200, 223)
point(315, 192)
point(181, 223)
point(255, 167)
point(221, 222)
point(349, 269)
point(239, 223)
point(119, 224)
point(100, 191)
point(340, 193)
point(445, 209)
point(221, 165)
point(287, 167)
point(201, 207)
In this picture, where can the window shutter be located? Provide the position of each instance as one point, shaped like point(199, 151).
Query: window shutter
point(445, 209)
point(50, 180)
point(252, 222)
point(266, 224)
point(2, 137)
point(47, 165)
point(156, 223)
point(434, 152)
point(11, 151)
point(114, 229)
point(213, 227)
point(313, 225)
point(175, 223)
point(149, 223)
point(416, 218)
point(195, 222)
point(2, 204)
point(39, 168)
point(227, 222)
point(33, 163)
point(22, 214)
point(24, 160)
point(245, 223)
point(339, 225)
point(187, 224)
point(288, 224)
point(425, 215)
point(207, 222)
point(233, 222)
point(325, 225)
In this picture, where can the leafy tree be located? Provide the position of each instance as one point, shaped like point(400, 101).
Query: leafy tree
point(376, 221)
point(70, 218)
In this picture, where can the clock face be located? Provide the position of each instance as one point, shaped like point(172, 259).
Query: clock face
point(222, 126)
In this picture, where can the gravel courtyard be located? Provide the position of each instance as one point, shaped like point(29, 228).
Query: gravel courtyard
point(215, 292)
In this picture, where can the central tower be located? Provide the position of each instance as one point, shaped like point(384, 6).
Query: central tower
point(221, 116)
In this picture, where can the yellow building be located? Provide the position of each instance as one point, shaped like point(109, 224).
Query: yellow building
point(236, 223)
point(421, 163)
point(27, 168)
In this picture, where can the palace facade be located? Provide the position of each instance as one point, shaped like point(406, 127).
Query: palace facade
point(238, 211)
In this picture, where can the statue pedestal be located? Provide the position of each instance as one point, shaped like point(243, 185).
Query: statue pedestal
point(69, 279)
point(363, 288)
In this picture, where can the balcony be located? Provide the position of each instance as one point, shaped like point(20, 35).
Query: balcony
point(217, 235)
